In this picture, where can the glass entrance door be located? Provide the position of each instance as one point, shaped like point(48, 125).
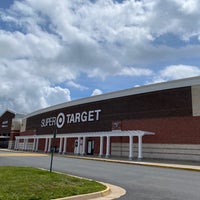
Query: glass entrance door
point(90, 147)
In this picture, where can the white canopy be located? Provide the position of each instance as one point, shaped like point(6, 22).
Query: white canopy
point(108, 134)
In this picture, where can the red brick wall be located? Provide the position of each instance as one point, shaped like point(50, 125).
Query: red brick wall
point(174, 130)
point(6, 122)
point(166, 103)
point(28, 132)
point(41, 144)
point(13, 133)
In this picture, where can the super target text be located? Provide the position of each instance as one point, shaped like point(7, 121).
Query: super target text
point(61, 119)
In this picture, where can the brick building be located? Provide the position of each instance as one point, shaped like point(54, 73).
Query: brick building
point(153, 121)
point(10, 122)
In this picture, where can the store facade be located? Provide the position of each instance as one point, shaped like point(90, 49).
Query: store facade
point(153, 121)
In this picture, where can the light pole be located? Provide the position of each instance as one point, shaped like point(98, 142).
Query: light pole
point(53, 147)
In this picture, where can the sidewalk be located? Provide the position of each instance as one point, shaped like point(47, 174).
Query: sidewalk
point(173, 164)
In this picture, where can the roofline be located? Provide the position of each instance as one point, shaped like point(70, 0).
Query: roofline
point(8, 110)
point(127, 92)
point(13, 112)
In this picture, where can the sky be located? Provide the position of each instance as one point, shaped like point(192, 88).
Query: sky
point(57, 51)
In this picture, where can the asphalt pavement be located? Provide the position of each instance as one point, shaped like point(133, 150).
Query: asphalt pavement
point(147, 179)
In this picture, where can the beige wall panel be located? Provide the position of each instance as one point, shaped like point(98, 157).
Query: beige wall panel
point(160, 151)
point(16, 123)
point(196, 100)
point(23, 125)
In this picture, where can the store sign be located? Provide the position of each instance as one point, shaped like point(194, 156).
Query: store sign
point(4, 124)
point(69, 118)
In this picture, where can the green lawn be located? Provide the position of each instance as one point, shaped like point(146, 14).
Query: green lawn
point(26, 183)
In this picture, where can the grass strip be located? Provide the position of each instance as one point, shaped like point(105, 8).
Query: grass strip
point(27, 183)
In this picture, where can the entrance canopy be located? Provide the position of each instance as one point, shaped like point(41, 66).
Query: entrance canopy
point(101, 135)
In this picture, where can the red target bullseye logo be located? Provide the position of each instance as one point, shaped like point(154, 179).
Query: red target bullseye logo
point(60, 120)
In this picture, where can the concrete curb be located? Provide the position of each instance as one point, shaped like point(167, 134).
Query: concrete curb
point(144, 163)
point(141, 163)
point(170, 166)
point(111, 191)
point(93, 195)
point(89, 196)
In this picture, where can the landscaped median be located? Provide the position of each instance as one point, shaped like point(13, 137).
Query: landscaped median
point(27, 183)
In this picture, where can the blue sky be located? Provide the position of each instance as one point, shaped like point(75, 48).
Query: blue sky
point(57, 51)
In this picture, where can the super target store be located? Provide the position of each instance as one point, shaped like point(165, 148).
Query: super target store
point(153, 121)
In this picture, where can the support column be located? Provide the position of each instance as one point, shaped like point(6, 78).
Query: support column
point(16, 144)
point(78, 148)
point(34, 142)
point(101, 147)
point(83, 151)
point(131, 147)
point(25, 144)
point(46, 145)
point(15, 147)
point(37, 143)
point(49, 147)
point(65, 146)
point(60, 146)
point(140, 147)
point(24, 147)
point(108, 147)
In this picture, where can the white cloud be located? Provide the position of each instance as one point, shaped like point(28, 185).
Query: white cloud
point(134, 72)
point(88, 36)
point(96, 92)
point(189, 6)
point(174, 72)
point(179, 71)
point(23, 91)
point(52, 95)
point(76, 85)
point(180, 17)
